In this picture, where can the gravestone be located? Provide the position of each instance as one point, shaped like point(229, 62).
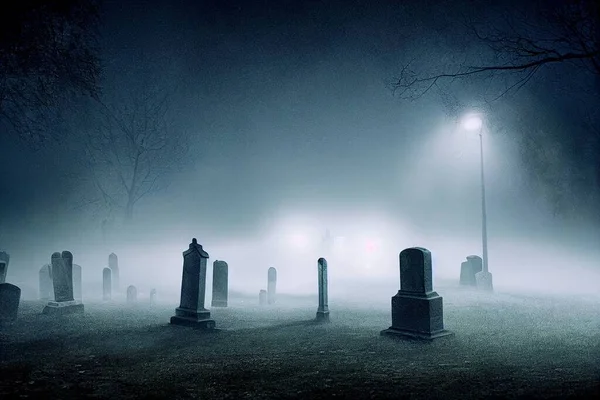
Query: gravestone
point(131, 294)
point(46, 286)
point(484, 280)
point(220, 284)
point(271, 285)
point(10, 295)
point(113, 264)
point(262, 297)
point(468, 269)
point(152, 297)
point(417, 311)
point(191, 311)
point(4, 261)
point(77, 282)
point(323, 310)
point(106, 284)
point(62, 281)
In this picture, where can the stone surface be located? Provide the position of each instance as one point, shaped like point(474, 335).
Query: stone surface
point(220, 286)
point(10, 296)
point(62, 281)
point(191, 311)
point(468, 269)
point(323, 309)
point(131, 294)
point(272, 286)
point(45, 282)
point(484, 281)
point(417, 311)
point(106, 284)
point(262, 297)
point(77, 282)
point(113, 264)
point(63, 308)
point(4, 261)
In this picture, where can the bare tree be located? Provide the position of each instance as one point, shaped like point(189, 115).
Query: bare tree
point(48, 54)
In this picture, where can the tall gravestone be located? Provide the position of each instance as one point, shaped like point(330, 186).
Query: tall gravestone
point(113, 264)
point(77, 282)
point(468, 269)
point(45, 281)
point(262, 297)
point(106, 284)
point(131, 294)
point(191, 311)
point(323, 310)
point(10, 295)
point(417, 311)
point(62, 281)
point(4, 261)
point(271, 285)
point(220, 284)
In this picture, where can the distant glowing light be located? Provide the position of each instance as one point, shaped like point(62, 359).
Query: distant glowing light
point(371, 246)
point(472, 122)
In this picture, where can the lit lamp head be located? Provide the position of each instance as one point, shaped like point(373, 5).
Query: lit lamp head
point(472, 122)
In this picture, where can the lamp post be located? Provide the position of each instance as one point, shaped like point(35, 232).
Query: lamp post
point(474, 122)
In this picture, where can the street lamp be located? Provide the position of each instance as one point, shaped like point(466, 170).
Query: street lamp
point(474, 122)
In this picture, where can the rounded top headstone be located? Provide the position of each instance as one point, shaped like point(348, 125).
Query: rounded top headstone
point(56, 254)
point(415, 270)
point(473, 257)
point(322, 261)
point(67, 254)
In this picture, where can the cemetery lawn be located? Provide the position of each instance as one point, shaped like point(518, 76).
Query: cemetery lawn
point(505, 346)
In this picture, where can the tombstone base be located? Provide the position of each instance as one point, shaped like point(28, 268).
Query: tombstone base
point(416, 335)
point(63, 308)
point(322, 316)
point(195, 319)
point(484, 281)
point(421, 313)
point(219, 303)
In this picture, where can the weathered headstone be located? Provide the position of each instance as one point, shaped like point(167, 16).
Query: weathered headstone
point(113, 264)
point(77, 282)
point(272, 285)
point(262, 297)
point(106, 284)
point(484, 281)
point(152, 297)
point(323, 310)
point(62, 280)
point(417, 311)
point(191, 311)
point(220, 284)
point(468, 269)
point(10, 295)
point(46, 286)
point(131, 294)
point(4, 261)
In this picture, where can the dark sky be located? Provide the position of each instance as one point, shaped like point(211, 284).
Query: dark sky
point(289, 108)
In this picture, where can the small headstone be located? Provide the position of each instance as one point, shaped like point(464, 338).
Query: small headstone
point(262, 297)
point(106, 284)
point(484, 281)
point(272, 285)
point(131, 294)
point(417, 311)
point(152, 297)
point(220, 284)
point(4, 260)
point(113, 264)
point(323, 310)
point(77, 282)
point(46, 286)
point(62, 280)
point(191, 311)
point(10, 295)
point(468, 269)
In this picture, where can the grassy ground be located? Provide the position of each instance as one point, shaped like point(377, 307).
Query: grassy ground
point(506, 346)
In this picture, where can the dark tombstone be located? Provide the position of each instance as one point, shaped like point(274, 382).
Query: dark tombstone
point(468, 269)
point(10, 295)
point(62, 280)
point(220, 284)
point(77, 282)
point(113, 264)
point(191, 311)
point(272, 285)
point(323, 310)
point(152, 297)
point(46, 286)
point(106, 284)
point(262, 297)
point(4, 261)
point(131, 294)
point(417, 311)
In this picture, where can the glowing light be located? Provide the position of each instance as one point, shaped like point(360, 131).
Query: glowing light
point(472, 122)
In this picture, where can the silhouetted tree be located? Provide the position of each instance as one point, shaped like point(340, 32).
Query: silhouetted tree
point(48, 54)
